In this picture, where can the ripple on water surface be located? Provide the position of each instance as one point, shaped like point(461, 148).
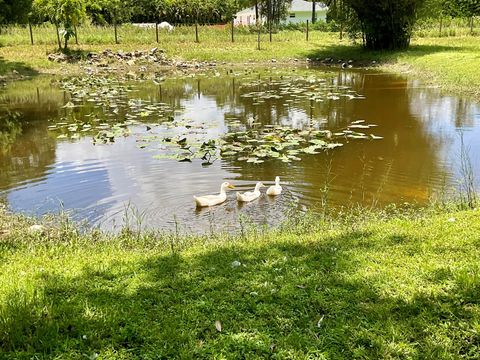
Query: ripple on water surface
point(50, 160)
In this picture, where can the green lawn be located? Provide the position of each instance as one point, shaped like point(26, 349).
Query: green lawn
point(396, 287)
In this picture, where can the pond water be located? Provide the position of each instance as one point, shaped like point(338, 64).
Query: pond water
point(108, 150)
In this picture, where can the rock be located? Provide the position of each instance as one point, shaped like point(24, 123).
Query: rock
point(37, 229)
point(153, 51)
point(274, 60)
point(350, 61)
point(236, 264)
point(344, 65)
point(58, 57)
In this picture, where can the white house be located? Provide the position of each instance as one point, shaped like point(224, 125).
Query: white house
point(299, 12)
point(246, 17)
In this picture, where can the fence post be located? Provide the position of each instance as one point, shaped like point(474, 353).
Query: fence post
point(31, 32)
point(270, 30)
point(307, 30)
point(258, 38)
point(156, 31)
point(115, 29)
point(196, 31)
point(233, 24)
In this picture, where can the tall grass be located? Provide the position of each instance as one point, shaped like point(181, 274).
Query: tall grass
point(448, 27)
point(130, 34)
point(89, 34)
point(467, 184)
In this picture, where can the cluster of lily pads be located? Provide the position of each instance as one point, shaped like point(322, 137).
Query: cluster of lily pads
point(255, 145)
point(291, 88)
point(111, 95)
point(115, 114)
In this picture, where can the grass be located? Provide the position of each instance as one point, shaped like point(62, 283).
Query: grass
point(402, 286)
point(450, 62)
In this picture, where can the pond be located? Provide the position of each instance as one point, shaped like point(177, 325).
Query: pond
point(112, 149)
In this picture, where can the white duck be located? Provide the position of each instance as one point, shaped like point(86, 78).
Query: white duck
point(275, 189)
point(212, 200)
point(250, 195)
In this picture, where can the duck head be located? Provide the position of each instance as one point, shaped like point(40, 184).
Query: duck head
point(227, 186)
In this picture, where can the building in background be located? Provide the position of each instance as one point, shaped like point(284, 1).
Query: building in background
point(299, 12)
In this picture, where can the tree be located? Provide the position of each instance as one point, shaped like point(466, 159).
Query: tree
point(66, 13)
point(386, 24)
point(15, 11)
point(469, 8)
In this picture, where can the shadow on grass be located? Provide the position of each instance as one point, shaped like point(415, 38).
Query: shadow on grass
point(361, 55)
point(15, 68)
point(286, 300)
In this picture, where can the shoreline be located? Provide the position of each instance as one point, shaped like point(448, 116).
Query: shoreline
point(449, 63)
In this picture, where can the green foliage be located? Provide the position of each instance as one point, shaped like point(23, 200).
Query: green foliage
point(385, 24)
point(468, 8)
point(15, 11)
point(453, 8)
point(66, 13)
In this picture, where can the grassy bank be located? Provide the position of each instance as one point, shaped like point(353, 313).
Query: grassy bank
point(450, 62)
point(377, 287)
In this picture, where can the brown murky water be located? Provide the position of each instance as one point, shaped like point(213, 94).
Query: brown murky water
point(418, 156)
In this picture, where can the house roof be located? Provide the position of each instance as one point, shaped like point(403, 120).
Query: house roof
point(247, 11)
point(301, 5)
point(297, 6)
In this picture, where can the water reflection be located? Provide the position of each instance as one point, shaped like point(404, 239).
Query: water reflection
point(416, 157)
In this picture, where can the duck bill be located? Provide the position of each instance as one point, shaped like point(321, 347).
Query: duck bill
point(231, 186)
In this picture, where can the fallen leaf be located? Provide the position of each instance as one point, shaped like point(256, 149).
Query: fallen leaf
point(319, 323)
point(218, 326)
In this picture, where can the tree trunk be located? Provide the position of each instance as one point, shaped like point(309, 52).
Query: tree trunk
point(76, 34)
point(471, 25)
point(256, 12)
point(441, 25)
point(314, 12)
point(156, 31)
point(58, 37)
point(269, 20)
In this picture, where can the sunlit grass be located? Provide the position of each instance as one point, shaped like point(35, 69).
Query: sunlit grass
point(451, 62)
point(402, 286)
